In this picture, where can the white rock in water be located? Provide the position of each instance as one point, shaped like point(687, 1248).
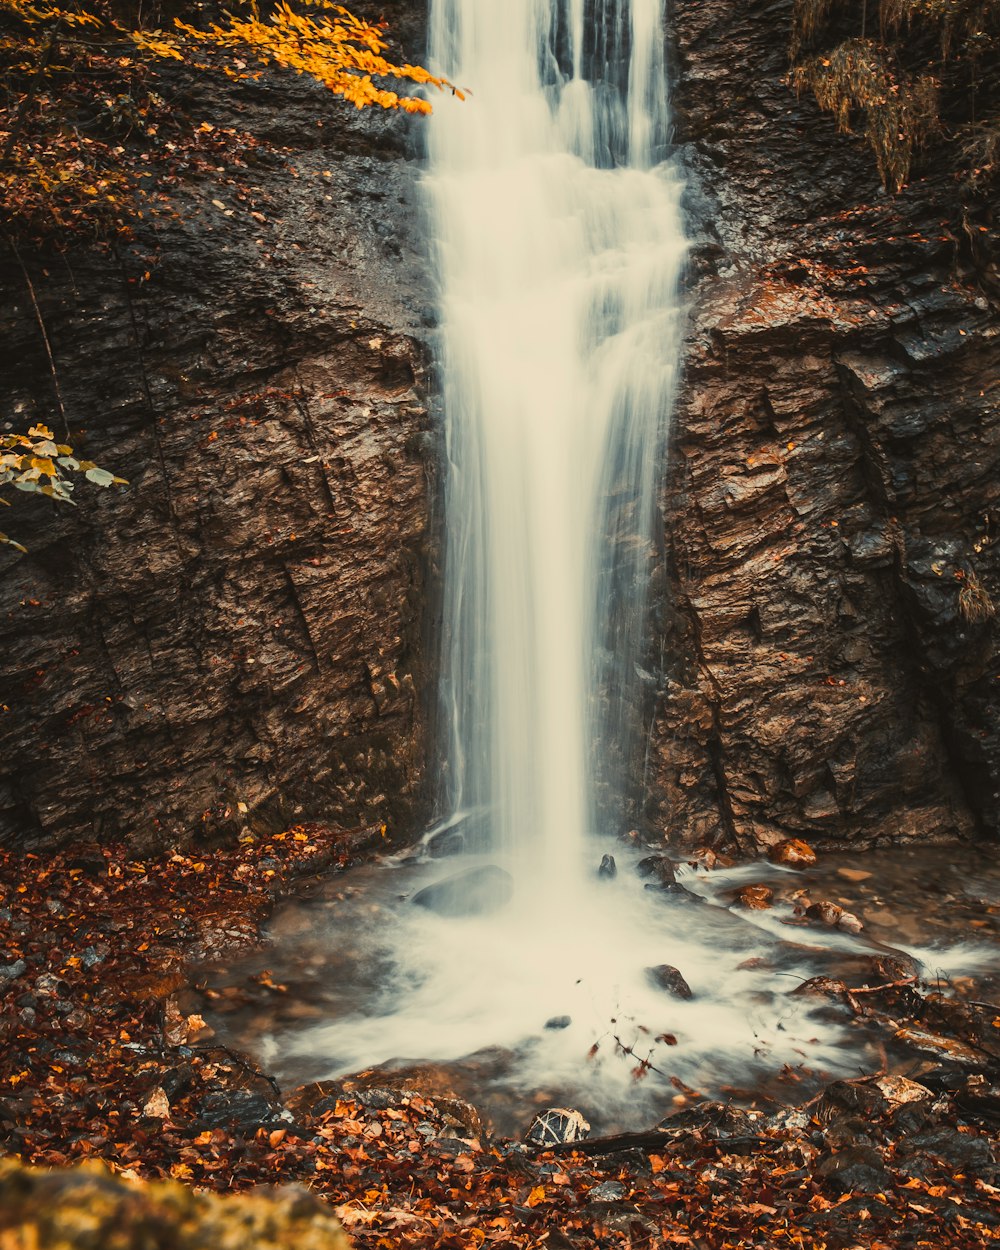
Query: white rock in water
point(556, 1126)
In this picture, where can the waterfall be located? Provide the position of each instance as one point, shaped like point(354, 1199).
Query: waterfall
point(559, 243)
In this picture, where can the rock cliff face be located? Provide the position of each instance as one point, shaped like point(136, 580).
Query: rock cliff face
point(833, 494)
point(238, 634)
point(242, 627)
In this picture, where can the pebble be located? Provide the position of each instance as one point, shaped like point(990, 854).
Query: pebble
point(854, 874)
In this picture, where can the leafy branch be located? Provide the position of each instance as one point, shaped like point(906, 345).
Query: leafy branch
point(36, 464)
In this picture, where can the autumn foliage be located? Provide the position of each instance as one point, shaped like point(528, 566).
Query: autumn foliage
point(34, 463)
point(86, 118)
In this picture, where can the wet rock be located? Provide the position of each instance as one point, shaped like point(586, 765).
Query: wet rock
point(244, 1111)
point(854, 874)
point(477, 891)
point(847, 1132)
point(793, 853)
point(607, 1191)
point(755, 897)
point(88, 1206)
point(608, 869)
point(667, 977)
point(447, 842)
point(715, 1119)
point(10, 972)
point(821, 679)
point(834, 916)
point(940, 1046)
point(556, 1126)
point(860, 1098)
point(895, 967)
point(559, 1022)
point(858, 1169)
point(657, 868)
point(966, 1151)
point(285, 685)
point(93, 956)
point(442, 1089)
point(899, 1091)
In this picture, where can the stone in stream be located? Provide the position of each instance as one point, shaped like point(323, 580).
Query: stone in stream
point(754, 897)
point(608, 868)
point(667, 977)
point(556, 1126)
point(473, 892)
point(559, 1022)
point(656, 868)
point(447, 842)
point(793, 853)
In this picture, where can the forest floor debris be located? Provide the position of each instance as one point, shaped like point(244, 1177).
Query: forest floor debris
point(101, 1059)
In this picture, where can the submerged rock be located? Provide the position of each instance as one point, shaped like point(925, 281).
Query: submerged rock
point(555, 1126)
point(667, 977)
point(474, 892)
point(608, 868)
point(447, 842)
point(559, 1022)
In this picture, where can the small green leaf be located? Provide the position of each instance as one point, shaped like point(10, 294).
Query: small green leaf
point(68, 462)
point(24, 484)
point(58, 490)
point(100, 477)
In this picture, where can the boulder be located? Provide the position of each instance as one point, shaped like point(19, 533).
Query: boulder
point(476, 891)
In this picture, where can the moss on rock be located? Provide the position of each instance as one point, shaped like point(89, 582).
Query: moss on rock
point(90, 1208)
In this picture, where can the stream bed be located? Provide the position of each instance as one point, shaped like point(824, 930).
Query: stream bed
point(517, 1011)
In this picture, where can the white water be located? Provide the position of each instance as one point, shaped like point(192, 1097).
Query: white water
point(559, 245)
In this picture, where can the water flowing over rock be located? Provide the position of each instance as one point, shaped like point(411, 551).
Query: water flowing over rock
point(475, 891)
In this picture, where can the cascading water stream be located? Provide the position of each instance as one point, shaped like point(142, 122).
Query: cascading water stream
point(559, 248)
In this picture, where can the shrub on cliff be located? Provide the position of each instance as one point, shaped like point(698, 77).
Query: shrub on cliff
point(905, 72)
